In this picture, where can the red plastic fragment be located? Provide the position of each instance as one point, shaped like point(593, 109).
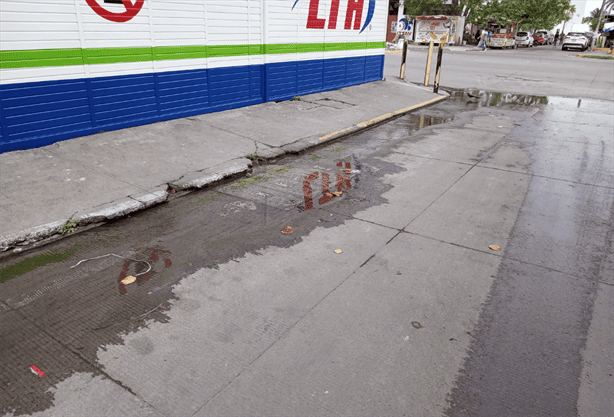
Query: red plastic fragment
point(37, 371)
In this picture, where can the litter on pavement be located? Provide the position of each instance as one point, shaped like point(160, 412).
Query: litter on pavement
point(495, 247)
point(287, 230)
point(117, 256)
point(128, 280)
point(37, 371)
point(338, 251)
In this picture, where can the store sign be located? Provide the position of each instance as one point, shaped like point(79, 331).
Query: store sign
point(353, 15)
point(405, 26)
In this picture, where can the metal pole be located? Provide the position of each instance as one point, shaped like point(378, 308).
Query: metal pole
point(429, 58)
point(404, 59)
point(438, 68)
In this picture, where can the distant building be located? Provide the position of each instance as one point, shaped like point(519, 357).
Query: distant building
point(576, 18)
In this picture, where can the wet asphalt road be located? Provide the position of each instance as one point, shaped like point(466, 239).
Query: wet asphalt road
point(526, 354)
point(542, 70)
point(252, 321)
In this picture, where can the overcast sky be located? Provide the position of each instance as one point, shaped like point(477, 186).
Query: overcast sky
point(588, 5)
point(583, 8)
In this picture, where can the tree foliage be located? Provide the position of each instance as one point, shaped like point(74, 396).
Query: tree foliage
point(430, 7)
point(593, 19)
point(592, 16)
point(539, 14)
point(422, 7)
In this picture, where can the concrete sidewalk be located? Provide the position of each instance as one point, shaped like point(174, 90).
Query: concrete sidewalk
point(92, 179)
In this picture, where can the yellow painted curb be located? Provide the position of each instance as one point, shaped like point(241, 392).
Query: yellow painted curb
point(376, 120)
point(426, 103)
point(383, 117)
point(334, 133)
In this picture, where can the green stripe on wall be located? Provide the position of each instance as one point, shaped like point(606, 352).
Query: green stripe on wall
point(40, 58)
point(94, 56)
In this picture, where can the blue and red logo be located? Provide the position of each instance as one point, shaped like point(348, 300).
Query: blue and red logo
point(352, 14)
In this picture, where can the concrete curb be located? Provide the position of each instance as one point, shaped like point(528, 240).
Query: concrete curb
point(211, 175)
point(31, 235)
point(108, 211)
point(192, 181)
point(313, 141)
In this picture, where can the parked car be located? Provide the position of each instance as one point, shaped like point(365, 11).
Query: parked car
point(524, 39)
point(547, 35)
point(577, 40)
point(590, 36)
point(538, 40)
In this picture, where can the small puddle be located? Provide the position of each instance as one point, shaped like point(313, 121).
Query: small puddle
point(483, 98)
point(461, 101)
point(420, 121)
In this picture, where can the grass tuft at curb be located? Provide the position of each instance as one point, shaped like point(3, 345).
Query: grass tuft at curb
point(607, 57)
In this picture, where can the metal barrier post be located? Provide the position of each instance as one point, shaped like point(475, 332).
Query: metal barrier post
point(429, 58)
point(403, 60)
point(438, 68)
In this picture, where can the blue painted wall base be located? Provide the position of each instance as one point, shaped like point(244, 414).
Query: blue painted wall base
point(42, 113)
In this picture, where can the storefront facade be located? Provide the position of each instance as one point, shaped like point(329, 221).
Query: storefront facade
point(71, 68)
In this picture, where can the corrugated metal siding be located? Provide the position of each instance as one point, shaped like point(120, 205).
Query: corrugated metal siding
point(121, 99)
point(175, 58)
point(42, 109)
point(183, 90)
point(28, 24)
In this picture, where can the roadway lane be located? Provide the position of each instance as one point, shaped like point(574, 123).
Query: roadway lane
point(540, 70)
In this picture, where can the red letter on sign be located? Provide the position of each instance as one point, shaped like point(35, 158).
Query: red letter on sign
point(354, 6)
point(312, 20)
point(307, 190)
point(334, 12)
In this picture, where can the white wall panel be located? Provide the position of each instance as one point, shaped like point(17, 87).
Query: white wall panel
point(101, 33)
point(227, 23)
point(123, 68)
point(38, 24)
point(26, 75)
point(180, 22)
